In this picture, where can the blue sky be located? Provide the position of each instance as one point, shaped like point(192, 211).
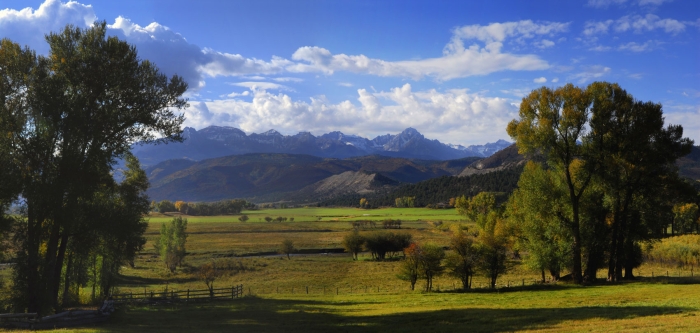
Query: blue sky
point(454, 70)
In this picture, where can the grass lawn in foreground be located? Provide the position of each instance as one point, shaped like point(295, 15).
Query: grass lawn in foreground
point(628, 307)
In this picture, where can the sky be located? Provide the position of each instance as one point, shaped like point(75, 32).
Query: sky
point(454, 70)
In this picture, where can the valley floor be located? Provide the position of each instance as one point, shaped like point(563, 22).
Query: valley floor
point(323, 291)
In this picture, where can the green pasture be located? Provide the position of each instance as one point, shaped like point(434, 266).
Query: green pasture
point(322, 291)
point(314, 214)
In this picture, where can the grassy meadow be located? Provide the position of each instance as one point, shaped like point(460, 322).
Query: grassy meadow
point(366, 296)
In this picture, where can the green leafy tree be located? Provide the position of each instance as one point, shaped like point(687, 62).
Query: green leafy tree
point(353, 243)
point(532, 212)
point(243, 218)
point(171, 243)
point(209, 272)
point(287, 247)
point(462, 261)
point(431, 256)
point(637, 155)
point(685, 217)
point(553, 123)
point(69, 116)
point(409, 270)
point(477, 207)
point(493, 243)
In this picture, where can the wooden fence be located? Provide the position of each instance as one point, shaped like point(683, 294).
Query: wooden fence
point(179, 295)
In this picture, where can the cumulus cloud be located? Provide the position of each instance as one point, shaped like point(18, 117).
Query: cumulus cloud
point(606, 3)
point(540, 80)
point(28, 26)
point(591, 73)
point(545, 43)
point(482, 57)
point(686, 115)
point(636, 23)
point(555, 80)
point(175, 55)
point(637, 47)
point(451, 116)
point(648, 22)
point(594, 28)
point(258, 85)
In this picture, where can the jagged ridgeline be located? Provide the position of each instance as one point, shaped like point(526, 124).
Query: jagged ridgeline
point(439, 190)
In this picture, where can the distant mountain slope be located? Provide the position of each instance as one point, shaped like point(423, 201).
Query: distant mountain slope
point(689, 165)
point(216, 141)
point(269, 176)
point(438, 190)
point(501, 160)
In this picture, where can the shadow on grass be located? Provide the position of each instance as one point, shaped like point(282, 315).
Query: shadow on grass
point(271, 315)
point(128, 280)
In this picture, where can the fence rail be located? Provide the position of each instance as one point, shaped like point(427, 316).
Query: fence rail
point(179, 295)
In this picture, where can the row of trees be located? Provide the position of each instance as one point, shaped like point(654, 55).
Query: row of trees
point(223, 207)
point(65, 120)
point(378, 243)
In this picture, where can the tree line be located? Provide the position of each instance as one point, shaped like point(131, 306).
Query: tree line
point(222, 207)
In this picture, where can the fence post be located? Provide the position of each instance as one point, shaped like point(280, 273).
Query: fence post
point(172, 295)
point(233, 292)
point(278, 289)
point(523, 282)
point(188, 294)
point(292, 290)
point(336, 290)
point(307, 290)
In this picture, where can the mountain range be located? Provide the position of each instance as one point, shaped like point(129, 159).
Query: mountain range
point(218, 141)
point(270, 177)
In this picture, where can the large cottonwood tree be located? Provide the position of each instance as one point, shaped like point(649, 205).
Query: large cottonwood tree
point(553, 122)
point(66, 119)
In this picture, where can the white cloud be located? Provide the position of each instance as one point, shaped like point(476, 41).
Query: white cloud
point(451, 116)
point(258, 85)
point(600, 48)
point(287, 79)
point(634, 23)
point(482, 57)
point(636, 47)
point(345, 84)
point(235, 94)
point(540, 80)
point(604, 3)
point(545, 43)
point(590, 73)
point(28, 26)
point(652, 2)
point(686, 115)
point(648, 22)
point(595, 28)
point(175, 55)
point(555, 80)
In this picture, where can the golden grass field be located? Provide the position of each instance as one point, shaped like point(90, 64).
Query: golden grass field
point(366, 296)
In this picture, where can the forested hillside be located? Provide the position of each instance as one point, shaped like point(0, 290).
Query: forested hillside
point(438, 190)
